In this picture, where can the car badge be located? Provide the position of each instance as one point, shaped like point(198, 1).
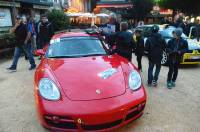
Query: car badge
point(98, 91)
point(107, 73)
point(79, 121)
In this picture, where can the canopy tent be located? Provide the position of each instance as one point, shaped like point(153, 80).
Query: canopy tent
point(102, 15)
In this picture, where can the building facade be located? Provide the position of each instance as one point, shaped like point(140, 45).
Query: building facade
point(10, 8)
point(117, 6)
point(79, 6)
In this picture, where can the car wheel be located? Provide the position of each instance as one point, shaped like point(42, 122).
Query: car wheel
point(164, 59)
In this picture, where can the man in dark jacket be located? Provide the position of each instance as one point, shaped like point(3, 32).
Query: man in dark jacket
point(198, 30)
point(139, 47)
point(155, 45)
point(45, 31)
point(123, 41)
point(176, 48)
point(22, 44)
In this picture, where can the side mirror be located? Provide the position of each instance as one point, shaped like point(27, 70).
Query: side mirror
point(39, 52)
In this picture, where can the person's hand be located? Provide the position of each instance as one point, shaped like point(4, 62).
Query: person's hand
point(17, 24)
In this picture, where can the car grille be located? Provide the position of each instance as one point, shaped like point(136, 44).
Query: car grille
point(68, 123)
point(133, 112)
point(61, 122)
point(192, 60)
point(101, 126)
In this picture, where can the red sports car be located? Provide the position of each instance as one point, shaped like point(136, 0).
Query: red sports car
point(81, 86)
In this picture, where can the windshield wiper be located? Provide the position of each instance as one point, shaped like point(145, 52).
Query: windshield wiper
point(93, 55)
point(64, 57)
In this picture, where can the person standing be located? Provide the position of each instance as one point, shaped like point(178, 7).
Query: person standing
point(139, 48)
point(123, 41)
point(32, 30)
point(45, 32)
point(197, 27)
point(155, 45)
point(22, 44)
point(176, 48)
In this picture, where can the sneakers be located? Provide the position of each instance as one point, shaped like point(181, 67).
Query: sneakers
point(173, 84)
point(32, 67)
point(169, 85)
point(11, 69)
point(154, 83)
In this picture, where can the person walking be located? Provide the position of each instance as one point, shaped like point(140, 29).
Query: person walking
point(45, 32)
point(139, 47)
point(22, 44)
point(176, 48)
point(155, 45)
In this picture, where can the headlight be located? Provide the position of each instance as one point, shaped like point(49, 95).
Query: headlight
point(134, 80)
point(48, 89)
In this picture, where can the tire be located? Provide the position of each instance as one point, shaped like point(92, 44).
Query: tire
point(164, 60)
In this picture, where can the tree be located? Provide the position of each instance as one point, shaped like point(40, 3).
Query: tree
point(59, 19)
point(187, 6)
point(140, 9)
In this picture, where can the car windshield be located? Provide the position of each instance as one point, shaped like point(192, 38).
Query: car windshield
point(71, 47)
point(168, 34)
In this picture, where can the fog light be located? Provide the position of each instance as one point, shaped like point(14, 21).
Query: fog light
point(79, 121)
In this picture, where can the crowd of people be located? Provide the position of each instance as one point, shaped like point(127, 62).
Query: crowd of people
point(29, 37)
point(155, 45)
point(186, 23)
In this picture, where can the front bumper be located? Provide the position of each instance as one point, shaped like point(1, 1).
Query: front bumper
point(97, 115)
point(191, 58)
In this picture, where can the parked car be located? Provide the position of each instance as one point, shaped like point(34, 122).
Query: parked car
point(81, 86)
point(192, 56)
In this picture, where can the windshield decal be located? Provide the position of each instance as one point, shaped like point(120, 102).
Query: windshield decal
point(107, 73)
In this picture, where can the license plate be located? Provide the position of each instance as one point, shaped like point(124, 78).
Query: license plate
point(195, 57)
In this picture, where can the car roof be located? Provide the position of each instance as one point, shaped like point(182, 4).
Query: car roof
point(72, 34)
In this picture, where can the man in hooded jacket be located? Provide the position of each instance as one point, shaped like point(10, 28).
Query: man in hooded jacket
point(155, 45)
point(176, 48)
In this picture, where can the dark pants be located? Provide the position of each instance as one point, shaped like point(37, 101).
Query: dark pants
point(18, 50)
point(139, 61)
point(173, 72)
point(154, 77)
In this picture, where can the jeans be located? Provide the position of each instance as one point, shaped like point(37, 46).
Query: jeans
point(154, 77)
point(173, 72)
point(17, 54)
point(139, 59)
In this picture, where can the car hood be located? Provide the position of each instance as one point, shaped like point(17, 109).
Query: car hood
point(83, 79)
